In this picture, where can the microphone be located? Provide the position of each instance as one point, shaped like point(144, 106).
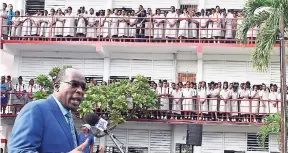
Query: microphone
point(100, 124)
point(94, 120)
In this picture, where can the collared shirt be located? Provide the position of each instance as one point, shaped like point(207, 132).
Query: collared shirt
point(63, 109)
point(10, 14)
point(82, 138)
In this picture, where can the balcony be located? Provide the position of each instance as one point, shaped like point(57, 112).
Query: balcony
point(125, 30)
point(179, 110)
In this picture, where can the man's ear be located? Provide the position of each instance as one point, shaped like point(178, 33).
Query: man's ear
point(56, 86)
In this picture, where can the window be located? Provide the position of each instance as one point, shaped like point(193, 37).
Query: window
point(253, 143)
point(183, 148)
point(32, 6)
point(193, 7)
point(137, 149)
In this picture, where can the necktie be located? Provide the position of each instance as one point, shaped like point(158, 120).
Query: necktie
point(71, 124)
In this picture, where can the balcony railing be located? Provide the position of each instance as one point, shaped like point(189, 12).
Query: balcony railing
point(196, 110)
point(125, 29)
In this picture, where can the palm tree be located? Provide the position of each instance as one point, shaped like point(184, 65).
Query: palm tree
point(272, 16)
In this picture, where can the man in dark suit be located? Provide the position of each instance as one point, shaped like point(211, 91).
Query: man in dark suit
point(47, 125)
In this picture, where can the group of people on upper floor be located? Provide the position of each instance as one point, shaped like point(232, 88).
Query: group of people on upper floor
point(217, 101)
point(212, 25)
point(16, 93)
point(206, 101)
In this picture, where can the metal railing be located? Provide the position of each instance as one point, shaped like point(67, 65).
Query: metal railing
point(125, 29)
point(176, 109)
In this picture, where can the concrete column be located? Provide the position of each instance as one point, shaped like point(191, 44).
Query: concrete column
point(199, 76)
point(175, 78)
point(106, 73)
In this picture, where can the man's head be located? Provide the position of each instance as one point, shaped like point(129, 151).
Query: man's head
point(69, 88)
point(2, 79)
point(4, 6)
point(20, 79)
point(86, 128)
point(10, 7)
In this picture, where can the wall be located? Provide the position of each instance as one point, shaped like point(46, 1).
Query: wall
point(7, 61)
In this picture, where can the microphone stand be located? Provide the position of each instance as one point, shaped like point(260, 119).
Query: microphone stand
point(113, 138)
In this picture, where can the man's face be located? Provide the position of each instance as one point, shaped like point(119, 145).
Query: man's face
point(3, 79)
point(84, 129)
point(20, 80)
point(11, 7)
point(4, 6)
point(71, 90)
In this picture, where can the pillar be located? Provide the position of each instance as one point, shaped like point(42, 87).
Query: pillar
point(106, 73)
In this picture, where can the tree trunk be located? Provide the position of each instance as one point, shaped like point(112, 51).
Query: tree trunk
point(283, 86)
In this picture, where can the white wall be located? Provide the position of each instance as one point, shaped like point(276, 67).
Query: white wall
point(7, 61)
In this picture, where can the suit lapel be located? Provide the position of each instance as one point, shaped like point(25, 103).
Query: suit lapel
point(61, 120)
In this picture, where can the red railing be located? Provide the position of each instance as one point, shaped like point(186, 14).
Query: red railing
point(210, 110)
point(126, 29)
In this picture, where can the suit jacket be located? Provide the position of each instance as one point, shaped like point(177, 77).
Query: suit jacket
point(41, 127)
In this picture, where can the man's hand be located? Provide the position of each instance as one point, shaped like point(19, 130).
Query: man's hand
point(80, 148)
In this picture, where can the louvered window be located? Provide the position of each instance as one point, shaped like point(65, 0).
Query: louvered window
point(253, 143)
point(32, 5)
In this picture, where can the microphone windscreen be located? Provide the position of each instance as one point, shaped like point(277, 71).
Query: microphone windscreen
point(91, 119)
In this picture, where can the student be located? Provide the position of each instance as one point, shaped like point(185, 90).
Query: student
point(264, 97)
point(272, 100)
point(171, 21)
point(91, 27)
point(187, 101)
point(224, 105)
point(158, 19)
point(245, 103)
point(255, 102)
point(177, 95)
point(69, 24)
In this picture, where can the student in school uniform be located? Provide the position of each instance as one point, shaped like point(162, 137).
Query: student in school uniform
point(234, 103)
point(20, 95)
point(164, 100)
point(204, 105)
point(264, 97)
point(272, 100)
point(203, 19)
point(149, 24)
point(230, 21)
point(217, 24)
point(114, 24)
point(224, 105)
point(158, 20)
point(16, 25)
point(35, 20)
point(91, 26)
point(255, 102)
point(187, 103)
point(26, 26)
point(193, 25)
point(177, 95)
point(213, 102)
point(60, 20)
point(43, 24)
point(171, 26)
point(50, 30)
point(31, 89)
point(122, 27)
point(245, 103)
point(132, 24)
point(183, 25)
point(69, 24)
point(81, 24)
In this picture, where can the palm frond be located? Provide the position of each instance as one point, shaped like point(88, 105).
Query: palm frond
point(252, 5)
point(251, 21)
point(265, 42)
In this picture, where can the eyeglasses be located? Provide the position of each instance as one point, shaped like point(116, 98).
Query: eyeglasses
point(77, 84)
